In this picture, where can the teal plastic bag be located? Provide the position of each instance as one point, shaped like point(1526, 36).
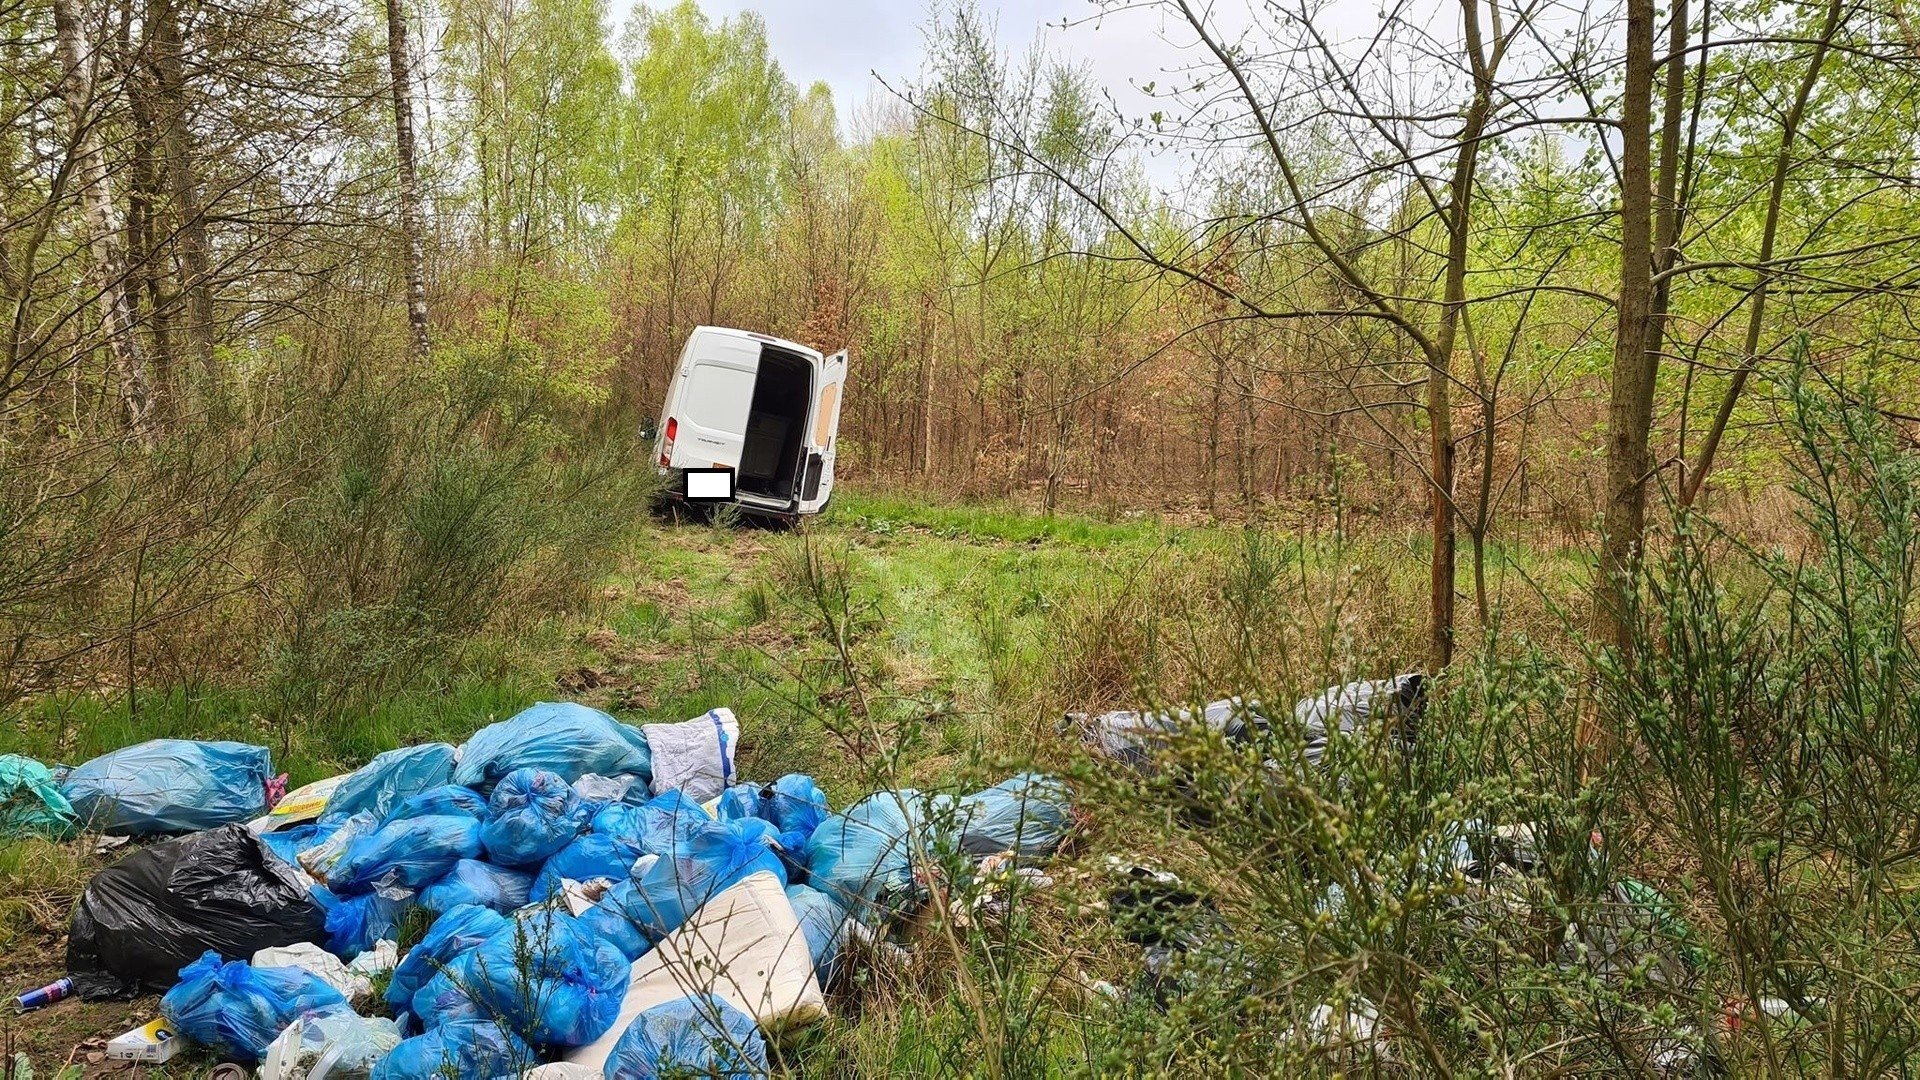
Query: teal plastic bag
point(30, 802)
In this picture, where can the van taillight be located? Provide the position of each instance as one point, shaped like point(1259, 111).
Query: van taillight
point(666, 448)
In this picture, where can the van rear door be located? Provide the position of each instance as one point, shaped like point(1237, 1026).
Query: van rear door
point(716, 390)
point(823, 435)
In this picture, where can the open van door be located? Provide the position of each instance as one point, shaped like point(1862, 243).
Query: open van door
point(823, 437)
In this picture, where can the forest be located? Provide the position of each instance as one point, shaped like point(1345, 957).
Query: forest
point(1563, 353)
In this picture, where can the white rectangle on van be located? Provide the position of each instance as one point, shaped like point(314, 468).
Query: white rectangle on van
point(709, 483)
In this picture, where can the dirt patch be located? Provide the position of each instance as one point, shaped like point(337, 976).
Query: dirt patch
point(72, 1031)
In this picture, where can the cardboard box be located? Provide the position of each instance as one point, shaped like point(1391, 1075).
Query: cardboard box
point(154, 1042)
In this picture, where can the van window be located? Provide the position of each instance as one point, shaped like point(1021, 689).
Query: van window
point(823, 417)
point(717, 398)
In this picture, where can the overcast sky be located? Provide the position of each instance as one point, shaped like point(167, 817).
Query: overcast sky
point(843, 42)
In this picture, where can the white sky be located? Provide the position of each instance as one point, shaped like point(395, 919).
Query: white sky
point(844, 43)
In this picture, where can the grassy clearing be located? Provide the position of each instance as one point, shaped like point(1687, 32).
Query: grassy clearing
point(970, 630)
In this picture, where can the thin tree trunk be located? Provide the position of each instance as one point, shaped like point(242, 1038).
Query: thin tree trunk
point(1756, 315)
point(103, 223)
point(1441, 446)
point(412, 216)
point(177, 142)
point(1629, 408)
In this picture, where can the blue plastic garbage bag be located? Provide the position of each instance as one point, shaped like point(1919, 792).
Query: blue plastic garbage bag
point(823, 921)
point(607, 921)
point(170, 786)
point(587, 858)
point(447, 997)
point(794, 804)
point(668, 822)
point(477, 1049)
point(453, 933)
point(563, 737)
point(698, 1035)
point(447, 799)
point(409, 853)
point(671, 888)
point(546, 978)
point(287, 844)
point(864, 857)
point(357, 923)
point(1028, 814)
point(390, 779)
point(236, 1009)
point(535, 814)
point(474, 882)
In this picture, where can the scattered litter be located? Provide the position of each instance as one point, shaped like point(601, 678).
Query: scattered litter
point(55, 991)
point(563, 737)
point(142, 919)
point(697, 1035)
point(236, 1009)
point(317, 962)
point(463, 1048)
point(573, 889)
point(390, 779)
point(535, 813)
point(30, 802)
point(170, 786)
point(299, 806)
point(151, 1043)
point(694, 757)
point(335, 1045)
point(1133, 738)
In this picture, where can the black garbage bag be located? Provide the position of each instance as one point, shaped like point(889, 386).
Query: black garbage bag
point(144, 918)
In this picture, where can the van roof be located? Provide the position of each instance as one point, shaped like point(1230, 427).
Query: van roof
point(764, 339)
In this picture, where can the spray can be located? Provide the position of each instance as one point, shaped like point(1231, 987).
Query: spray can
point(46, 995)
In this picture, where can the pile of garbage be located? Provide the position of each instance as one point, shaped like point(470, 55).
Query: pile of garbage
point(563, 895)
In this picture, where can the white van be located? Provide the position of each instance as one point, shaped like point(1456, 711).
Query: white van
point(767, 409)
